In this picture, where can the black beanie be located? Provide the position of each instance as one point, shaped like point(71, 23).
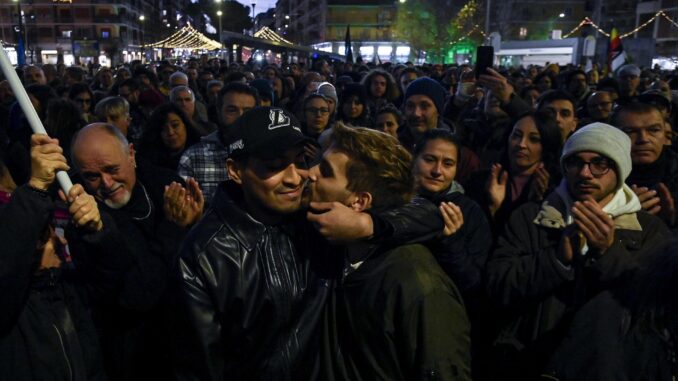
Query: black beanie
point(430, 88)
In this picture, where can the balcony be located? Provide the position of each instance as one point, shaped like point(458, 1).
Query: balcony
point(111, 19)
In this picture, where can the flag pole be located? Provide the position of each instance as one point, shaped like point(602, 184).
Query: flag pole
point(27, 107)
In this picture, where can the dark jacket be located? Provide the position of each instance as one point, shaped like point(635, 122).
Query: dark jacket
point(46, 331)
point(538, 294)
point(251, 294)
point(396, 317)
point(664, 170)
point(463, 254)
point(602, 345)
point(249, 297)
point(128, 289)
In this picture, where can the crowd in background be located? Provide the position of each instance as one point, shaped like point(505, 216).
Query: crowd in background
point(497, 146)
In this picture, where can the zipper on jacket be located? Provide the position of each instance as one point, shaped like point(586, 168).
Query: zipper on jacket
point(63, 350)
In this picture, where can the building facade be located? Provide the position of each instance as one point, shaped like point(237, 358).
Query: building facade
point(72, 31)
point(323, 24)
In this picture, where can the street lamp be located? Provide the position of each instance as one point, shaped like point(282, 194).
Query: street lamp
point(143, 46)
point(254, 22)
point(219, 13)
point(21, 48)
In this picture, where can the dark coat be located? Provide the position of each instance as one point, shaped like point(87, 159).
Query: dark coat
point(46, 331)
point(463, 254)
point(396, 317)
point(538, 294)
point(664, 170)
point(129, 289)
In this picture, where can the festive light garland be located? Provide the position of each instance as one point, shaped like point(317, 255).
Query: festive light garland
point(267, 34)
point(587, 21)
point(187, 38)
point(467, 35)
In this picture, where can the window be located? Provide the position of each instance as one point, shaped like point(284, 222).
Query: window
point(66, 33)
point(105, 33)
point(522, 32)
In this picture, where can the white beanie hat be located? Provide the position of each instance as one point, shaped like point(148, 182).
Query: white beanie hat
point(604, 139)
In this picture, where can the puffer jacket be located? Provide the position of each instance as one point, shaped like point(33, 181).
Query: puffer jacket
point(251, 295)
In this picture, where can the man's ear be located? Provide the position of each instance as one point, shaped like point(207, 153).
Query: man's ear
point(132, 154)
point(234, 171)
point(361, 201)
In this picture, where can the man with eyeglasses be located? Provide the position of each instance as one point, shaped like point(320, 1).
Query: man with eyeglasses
point(654, 175)
point(555, 258)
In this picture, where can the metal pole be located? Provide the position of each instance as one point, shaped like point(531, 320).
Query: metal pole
point(29, 110)
point(21, 40)
point(254, 26)
point(488, 5)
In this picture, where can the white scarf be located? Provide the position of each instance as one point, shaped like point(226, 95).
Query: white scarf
point(624, 202)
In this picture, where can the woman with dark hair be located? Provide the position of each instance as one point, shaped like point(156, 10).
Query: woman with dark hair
point(381, 89)
point(353, 107)
point(463, 252)
point(82, 96)
point(546, 81)
point(528, 168)
point(149, 97)
point(168, 133)
point(389, 119)
point(63, 122)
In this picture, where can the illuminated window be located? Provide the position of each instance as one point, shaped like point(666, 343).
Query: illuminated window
point(522, 32)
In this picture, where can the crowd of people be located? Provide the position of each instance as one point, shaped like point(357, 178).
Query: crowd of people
point(339, 221)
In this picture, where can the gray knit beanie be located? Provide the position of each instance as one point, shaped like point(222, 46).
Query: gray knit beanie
point(604, 139)
point(328, 90)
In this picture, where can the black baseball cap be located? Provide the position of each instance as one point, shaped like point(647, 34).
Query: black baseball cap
point(266, 132)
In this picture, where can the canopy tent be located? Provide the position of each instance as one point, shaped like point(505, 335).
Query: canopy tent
point(187, 38)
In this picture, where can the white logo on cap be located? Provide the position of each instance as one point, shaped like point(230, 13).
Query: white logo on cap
point(238, 144)
point(278, 119)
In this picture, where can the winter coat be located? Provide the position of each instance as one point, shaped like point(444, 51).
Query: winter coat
point(46, 331)
point(538, 294)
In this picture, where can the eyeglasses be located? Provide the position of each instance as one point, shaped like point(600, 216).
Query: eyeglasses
point(598, 165)
point(315, 111)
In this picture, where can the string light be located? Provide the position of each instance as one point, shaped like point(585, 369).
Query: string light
point(587, 21)
point(267, 34)
point(187, 38)
point(467, 35)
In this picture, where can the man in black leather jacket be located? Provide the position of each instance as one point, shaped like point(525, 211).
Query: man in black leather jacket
point(254, 280)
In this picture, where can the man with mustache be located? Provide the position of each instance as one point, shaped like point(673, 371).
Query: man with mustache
point(128, 289)
point(554, 257)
